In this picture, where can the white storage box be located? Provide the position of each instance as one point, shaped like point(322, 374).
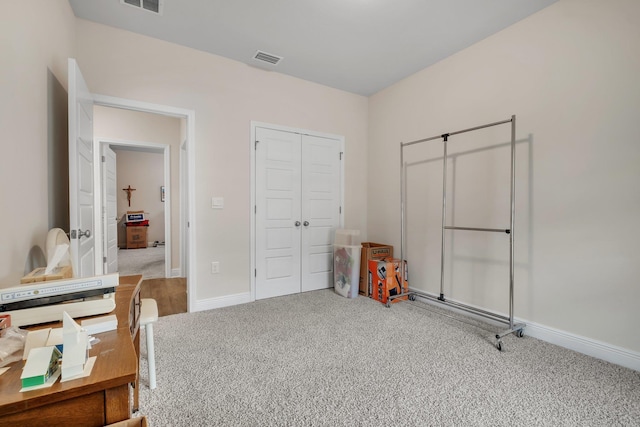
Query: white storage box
point(137, 216)
point(347, 237)
point(346, 262)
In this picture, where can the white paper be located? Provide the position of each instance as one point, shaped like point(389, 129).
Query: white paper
point(85, 373)
point(100, 324)
point(55, 337)
point(74, 357)
point(37, 338)
point(60, 252)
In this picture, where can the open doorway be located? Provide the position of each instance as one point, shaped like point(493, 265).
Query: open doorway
point(130, 130)
point(136, 217)
point(141, 232)
point(140, 199)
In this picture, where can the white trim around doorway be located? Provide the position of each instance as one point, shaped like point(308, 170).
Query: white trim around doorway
point(189, 212)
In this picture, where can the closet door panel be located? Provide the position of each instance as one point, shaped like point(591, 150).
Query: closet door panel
point(278, 205)
point(320, 209)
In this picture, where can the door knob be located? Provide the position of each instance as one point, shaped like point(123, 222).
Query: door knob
point(306, 223)
point(80, 234)
point(297, 223)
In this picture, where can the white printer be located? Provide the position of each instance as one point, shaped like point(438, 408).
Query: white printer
point(44, 302)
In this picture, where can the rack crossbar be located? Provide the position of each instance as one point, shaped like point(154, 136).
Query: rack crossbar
point(495, 230)
point(404, 144)
point(433, 138)
point(501, 122)
point(461, 306)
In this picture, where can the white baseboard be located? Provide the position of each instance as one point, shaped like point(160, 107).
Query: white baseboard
point(600, 350)
point(176, 272)
point(590, 347)
point(219, 302)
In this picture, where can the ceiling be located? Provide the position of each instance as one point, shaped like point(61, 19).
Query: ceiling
point(360, 46)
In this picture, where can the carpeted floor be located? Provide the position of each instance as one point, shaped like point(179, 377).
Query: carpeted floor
point(317, 359)
point(146, 261)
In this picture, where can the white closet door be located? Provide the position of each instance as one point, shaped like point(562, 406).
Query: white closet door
point(278, 192)
point(320, 209)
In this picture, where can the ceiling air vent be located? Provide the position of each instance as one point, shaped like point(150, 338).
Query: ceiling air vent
point(154, 6)
point(267, 57)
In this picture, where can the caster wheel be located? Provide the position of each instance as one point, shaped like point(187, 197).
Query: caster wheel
point(412, 297)
point(499, 345)
point(519, 333)
point(388, 304)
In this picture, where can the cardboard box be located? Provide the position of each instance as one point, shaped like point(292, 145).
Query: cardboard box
point(387, 279)
point(58, 273)
point(371, 251)
point(136, 237)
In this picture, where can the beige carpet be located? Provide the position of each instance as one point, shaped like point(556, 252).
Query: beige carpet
point(318, 359)
point(146, 261)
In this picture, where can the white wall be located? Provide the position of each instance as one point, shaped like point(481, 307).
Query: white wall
point(136, 126)
point(36, 39)
point(226, 96)
point(144, 172)
point(570, 73)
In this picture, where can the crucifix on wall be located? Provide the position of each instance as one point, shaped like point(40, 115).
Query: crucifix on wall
point(129, 190)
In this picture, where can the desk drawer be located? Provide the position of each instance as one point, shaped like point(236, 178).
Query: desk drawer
point(85, 410)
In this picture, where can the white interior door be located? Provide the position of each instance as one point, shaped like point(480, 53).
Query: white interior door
point(109, 210)
point(320, 209)
point(298, 196)
point(278, 209)
point(81, 174)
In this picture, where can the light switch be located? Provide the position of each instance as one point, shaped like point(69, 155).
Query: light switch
point(217, 202)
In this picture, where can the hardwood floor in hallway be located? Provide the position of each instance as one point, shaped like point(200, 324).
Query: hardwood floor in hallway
point(170, 294)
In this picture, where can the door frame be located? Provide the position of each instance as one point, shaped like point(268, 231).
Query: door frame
point(253, 201)
point(189, 218)
point(146, 147)
point(184, 207)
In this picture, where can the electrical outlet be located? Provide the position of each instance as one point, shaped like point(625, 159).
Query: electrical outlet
point(215, 267)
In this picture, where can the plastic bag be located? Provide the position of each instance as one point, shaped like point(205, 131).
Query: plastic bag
point(12, 345)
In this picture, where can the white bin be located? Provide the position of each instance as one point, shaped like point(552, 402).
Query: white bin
point(347, 237)
point(346, 262)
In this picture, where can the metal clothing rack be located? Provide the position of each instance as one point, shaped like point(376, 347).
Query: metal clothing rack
point(516, 329)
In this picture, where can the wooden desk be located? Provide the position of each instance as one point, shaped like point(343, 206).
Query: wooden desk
point(101, 398)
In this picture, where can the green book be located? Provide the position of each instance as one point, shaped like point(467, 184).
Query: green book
point(42, 363)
